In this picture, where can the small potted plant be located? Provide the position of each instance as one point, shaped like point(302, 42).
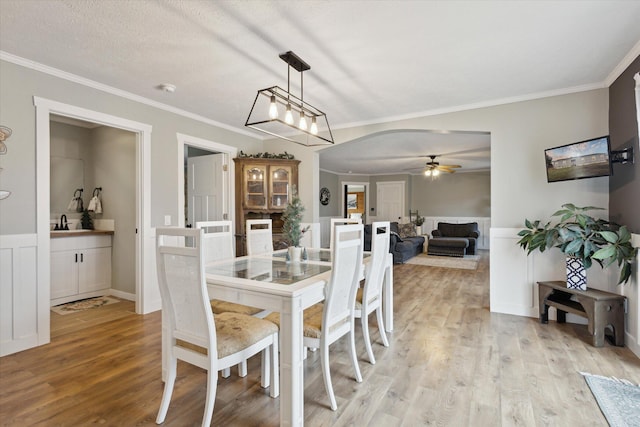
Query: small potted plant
point(583, 239)
point(292, 217)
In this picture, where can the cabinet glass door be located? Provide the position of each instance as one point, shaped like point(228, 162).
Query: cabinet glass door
point(255, 186)
point(280, 186)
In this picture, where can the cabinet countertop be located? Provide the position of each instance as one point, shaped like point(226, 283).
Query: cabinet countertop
point(78, 233)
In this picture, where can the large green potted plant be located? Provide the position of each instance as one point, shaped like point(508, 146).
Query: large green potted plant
point(292, 217)
point(583, 239)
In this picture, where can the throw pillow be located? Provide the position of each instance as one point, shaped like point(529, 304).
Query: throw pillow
point(407, 230)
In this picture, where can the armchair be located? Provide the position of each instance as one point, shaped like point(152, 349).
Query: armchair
point(467, 230)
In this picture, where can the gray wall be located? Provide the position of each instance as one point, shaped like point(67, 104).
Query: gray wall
point(18, 86)
point(624, 185)
point(458, 194)
point(332, 182)
point(114, 153)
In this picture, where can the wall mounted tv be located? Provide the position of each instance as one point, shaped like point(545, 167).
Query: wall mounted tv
point(584, 159)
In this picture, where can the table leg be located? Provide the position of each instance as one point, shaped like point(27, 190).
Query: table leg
point(387, 303)
point(291, 364)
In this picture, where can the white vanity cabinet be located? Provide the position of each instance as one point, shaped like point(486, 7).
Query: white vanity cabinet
point(80, 267)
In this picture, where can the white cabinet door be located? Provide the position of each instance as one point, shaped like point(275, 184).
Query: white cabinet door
point(95, 269)
point(64, 274)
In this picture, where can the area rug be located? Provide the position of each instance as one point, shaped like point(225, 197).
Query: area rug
point(85, 304)
point(619, 400)
point(469, 262)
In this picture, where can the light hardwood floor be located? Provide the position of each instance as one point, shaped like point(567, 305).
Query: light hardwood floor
point(451, 362)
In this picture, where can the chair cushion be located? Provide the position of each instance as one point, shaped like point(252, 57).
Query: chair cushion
point(312, 319)
point(449, 242)
point(219, 307)
point(237, 331)
point(234, 332)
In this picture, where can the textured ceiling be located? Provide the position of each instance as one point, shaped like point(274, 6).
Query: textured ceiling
point(370, 61)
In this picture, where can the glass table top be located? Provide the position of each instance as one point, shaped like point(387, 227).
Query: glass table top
point(313, 254)
point(267, 270)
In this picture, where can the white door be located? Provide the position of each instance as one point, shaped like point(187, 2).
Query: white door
point(390, 201)
point(205, 191)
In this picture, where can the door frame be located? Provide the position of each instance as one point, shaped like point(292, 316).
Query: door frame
point(343, 194)
point(145, 303)
point(228, 183)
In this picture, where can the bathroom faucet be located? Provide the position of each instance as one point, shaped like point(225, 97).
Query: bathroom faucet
point(65, 225)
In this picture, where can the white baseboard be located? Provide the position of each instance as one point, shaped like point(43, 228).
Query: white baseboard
point(121, 294)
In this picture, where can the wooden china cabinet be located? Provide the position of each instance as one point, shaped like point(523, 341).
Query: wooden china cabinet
point(263, 189)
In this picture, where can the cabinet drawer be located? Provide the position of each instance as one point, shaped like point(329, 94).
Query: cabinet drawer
point(80, 242)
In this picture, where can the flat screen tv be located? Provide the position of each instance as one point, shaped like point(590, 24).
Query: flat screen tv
point(584, 159)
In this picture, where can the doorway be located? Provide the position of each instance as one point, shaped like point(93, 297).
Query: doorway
point(205, 174)
point(355, 201)
point(147, 298)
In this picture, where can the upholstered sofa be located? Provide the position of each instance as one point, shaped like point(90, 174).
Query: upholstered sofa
point(467, 230)
point(403, 242)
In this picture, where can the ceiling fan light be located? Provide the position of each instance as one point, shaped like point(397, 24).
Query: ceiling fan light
point(436, 172)
point(427, 172)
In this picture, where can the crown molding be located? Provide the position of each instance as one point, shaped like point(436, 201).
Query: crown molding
point(36, 66)
point(623, 65)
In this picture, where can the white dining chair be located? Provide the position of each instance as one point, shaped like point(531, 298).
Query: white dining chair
point(341, 221)
point(369, 297)
point(217, 243)
point(219, 343)
point(259, 236)
point(311, 238)
point(326, 322)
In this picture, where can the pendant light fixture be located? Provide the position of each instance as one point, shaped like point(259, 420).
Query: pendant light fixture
point(270, 103)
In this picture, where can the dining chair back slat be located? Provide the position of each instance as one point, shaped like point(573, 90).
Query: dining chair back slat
point(259, 236)
point(341, 221)
point(217, 240)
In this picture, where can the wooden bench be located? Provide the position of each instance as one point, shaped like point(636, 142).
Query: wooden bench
point(601, 308)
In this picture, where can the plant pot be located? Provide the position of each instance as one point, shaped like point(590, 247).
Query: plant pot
point(576, 274)
point(295, 253)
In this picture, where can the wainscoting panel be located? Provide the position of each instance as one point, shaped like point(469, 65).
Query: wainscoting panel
point(20, 327)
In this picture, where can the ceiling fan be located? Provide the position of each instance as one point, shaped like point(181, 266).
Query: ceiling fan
point(434, 168)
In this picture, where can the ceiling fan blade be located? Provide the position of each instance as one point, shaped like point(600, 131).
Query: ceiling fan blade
point(450, 166)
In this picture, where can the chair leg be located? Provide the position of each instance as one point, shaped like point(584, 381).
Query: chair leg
point(265, 370)
point(169, 382)
point(364, 318)
point(275, 370)
point(326, 374)
point(352, 350)
point(242, 368)
point(226, 373)
point(383, 334)
point(212, 384)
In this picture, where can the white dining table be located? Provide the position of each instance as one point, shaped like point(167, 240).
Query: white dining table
point(269, 282)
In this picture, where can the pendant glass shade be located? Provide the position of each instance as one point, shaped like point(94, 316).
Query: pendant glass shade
point(303, 121)
point(273, 108)
point(288, 117)
point(314, 126)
